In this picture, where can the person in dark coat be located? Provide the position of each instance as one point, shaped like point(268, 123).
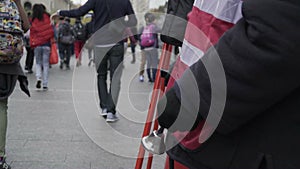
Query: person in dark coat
point(9, 74)
point(108, 46)
point(259, 127)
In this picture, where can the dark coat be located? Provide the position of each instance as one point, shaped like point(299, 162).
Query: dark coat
point(9, 74)
point(260, 124)
point(118, 9)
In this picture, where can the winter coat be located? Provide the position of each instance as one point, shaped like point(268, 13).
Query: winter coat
point(260, 124)
point(117, 9)
point(9, 74)
point(41, 31)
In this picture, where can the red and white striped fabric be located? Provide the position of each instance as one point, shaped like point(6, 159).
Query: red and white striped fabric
point(207, 22)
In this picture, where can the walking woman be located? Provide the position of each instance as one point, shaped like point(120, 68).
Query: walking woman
point(41, 32)
point(9, 74)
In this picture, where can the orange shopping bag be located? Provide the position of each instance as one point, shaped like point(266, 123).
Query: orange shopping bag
point(53, 54)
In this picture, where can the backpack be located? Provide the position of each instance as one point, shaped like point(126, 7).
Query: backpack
point(147, 37)
point(11, 33)
point(80, 31)
point(65, 35)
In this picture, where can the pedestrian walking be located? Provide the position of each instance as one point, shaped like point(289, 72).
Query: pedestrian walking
point(66, 39)
point(80, 37)
point(10, 73)
point(149, 44)
point(41, 31)
point(89, 43)
point(108, 47)
point(30, 52)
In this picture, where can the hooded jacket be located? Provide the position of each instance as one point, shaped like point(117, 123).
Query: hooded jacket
point(259, 127)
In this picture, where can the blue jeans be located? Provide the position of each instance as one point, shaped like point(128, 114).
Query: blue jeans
point(42, 54)
point(112, 61)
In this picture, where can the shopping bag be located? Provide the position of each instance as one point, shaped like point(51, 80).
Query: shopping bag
point(53, 54)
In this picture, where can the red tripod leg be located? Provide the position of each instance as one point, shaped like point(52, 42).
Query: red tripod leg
point(158, 86)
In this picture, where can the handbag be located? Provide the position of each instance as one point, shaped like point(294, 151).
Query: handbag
point(53, 53)
point(116, 25)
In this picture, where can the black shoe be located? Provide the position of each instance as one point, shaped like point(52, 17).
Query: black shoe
point(61, 66)
point(38, 84)
point(68, 67)
point(3, 164)
point(45, 88)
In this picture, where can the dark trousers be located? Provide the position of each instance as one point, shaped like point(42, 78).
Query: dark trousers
point(29, 58)
point(109, 59)
point(65, 53)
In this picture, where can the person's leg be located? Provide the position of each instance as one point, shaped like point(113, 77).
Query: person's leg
point(90, 54)
point(39, 61)
point(116, 57)
point(3, 130)
point(132, 46)
point(46, 56)
point(77, 49)
point(102, 76)
point(91, 57)
point(3, 126)
point(143, 62)
point(154, 62)
point(78, 52)
point(149, 63)
point(62, 56)
point(31, 59)
point(68, 55)
point(81, 45)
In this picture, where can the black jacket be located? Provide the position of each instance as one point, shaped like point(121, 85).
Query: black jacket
point(117, 9)
point(9, 74)
point(260, 124)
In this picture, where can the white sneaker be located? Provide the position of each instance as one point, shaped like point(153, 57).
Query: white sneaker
point(111, 117)
point(141, 78)
point(104, 112)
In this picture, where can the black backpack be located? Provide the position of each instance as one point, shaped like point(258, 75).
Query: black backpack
point(65, 34)
point(80, 31)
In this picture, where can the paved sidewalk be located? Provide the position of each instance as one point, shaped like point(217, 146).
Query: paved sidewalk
point(61, 128)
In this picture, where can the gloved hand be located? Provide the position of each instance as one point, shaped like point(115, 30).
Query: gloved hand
point(58, 11)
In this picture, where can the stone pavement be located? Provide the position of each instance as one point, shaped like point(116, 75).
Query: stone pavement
point(61, 128)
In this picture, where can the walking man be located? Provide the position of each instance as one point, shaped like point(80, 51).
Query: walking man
point(108, 46)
